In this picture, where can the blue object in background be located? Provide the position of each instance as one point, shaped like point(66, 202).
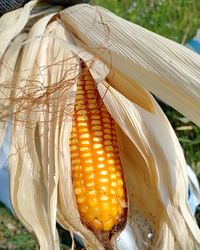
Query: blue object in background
point(194, 191)
point(4, 175)
point(194, 43)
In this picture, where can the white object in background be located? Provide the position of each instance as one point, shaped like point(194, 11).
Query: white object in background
point(197, 37)
point(194, 191)
point(126, 241)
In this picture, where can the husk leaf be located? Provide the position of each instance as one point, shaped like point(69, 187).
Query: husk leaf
point(12, 23)
point(8, 66)
point(33, 178)
point(155, 172)
point(165, 68)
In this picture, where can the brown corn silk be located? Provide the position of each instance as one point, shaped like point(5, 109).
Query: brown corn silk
point(96, 167)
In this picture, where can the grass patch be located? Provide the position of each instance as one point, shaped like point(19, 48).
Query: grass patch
point(13, 236)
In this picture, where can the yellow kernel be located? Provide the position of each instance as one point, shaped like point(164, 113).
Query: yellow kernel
point(101, 158)
point(105, 115)
point(120, 192)
point(108, 142)
point(95, 117)
point(88, 169)
point(83, 209)
point(100, 165)
point(114, 210)
point(113, 176)
point(89, 87)
point(106, 120)
point(77, 182)
point(89, 92)
point(97, 139)
point(104, 198)
point(86, 155)
point(97, 145)
point(107, 131)
point(76, 167)
point(75, 161)
point(99, 152)
point(74, 154)
point(80, 105)
point(87, 78)
point(96, 127)
point(80, 91)
point(112, 168)
point(84, 149)
point(82, 118)
point(106, 125)
point(96, 122)
point(83, 130)
point(114, 200)
point(110, 155)
point(92, 106)
point(77, 175)
point(102, 188)
point(104, 206)
point(78, 97)
point(98, 133)
point(79, 87)
point(94, 111)
point(82, 124)
point(73, 135)
point(89, 177)
point(73, 147)
point(80, 199)
point(85, 135)
point(106, 136)
point(88, 161)
point(109, 148)
point(111, 161)
point(104, 172)
point(78, 191)
point(91, 192)
point(82, 112)
point(85, 142)
point(120, 183)
point(103, 180)
point(89, 184)
point(113, 184)
point(108, 224)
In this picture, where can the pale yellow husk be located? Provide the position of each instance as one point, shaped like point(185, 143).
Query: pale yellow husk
point(37, 92)
point(167, 69)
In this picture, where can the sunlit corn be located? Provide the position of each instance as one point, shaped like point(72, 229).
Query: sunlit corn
point(97, 178)
point(40, 53)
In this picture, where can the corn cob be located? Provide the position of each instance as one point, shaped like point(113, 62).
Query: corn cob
point(96, 168)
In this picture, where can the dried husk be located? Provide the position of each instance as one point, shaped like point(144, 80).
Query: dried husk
point(33, 179)
point(45, 68)
point(151, 155)
point(8, 66)
point(165, 68)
